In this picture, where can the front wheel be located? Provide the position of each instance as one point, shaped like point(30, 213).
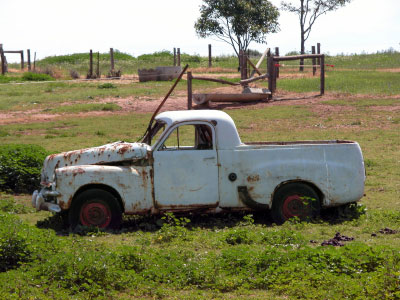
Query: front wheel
point(95, 207)
point(295, 200)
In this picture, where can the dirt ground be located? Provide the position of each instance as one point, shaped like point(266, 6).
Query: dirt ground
point(178, 101)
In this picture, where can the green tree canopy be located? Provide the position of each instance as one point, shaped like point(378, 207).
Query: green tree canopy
point(237, 22)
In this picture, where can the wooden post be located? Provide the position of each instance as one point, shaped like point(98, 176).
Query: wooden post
point(28, 54)
point(209, 56)
point(90, 64)
point(34, 62)
point(322, 71)
point(314, 62)
point(3, 67)
point(270, 72)
point(318, 52)
point(174, 57)
point(247, 58)
point(179, 57)
point(98, 65)
point(243, 64)
point(277, 68)
point(112, 60)
point(22, 60)
point(189, 90)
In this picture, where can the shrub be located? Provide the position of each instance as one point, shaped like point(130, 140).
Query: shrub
point(13, 245)
point(238, 236)
point(20, 167)
point(106, 85)
point(5, 79)
point(74, 74)
point(172, 228)
point(13, 251)
point(29, 76)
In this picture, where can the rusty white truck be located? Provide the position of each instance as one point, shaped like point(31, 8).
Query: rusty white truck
point(194, 161)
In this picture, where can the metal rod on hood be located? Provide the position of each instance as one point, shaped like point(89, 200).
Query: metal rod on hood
point(164, 100)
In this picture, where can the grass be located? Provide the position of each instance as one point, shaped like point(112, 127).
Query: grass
point(50, 95)
point(362, 82)
point(212, 257)
point(86, 107)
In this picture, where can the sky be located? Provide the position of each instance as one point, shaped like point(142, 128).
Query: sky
point(57, 27)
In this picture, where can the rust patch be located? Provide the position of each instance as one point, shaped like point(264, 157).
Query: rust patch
point(52, 156)
point(144, 177)
point(124, 149)
point(77, 171)
point(253, 178)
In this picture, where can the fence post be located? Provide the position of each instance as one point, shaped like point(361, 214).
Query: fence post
point(270, 71)
point(322, 70)
point(34, 61)
point(22, 60)
point(209, 56)
point(112, 61)
point(90, 75)
point(28, 53)
point(98, 65)
point(189, 90)
point(277, 68)
point(179, 57)
point(314, 68)
point(174, 57)
point(3, 67)
point(319, 52)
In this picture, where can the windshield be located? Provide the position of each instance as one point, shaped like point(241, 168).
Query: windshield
point(154, 134)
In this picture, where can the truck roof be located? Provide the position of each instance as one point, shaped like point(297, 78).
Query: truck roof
point(170, 117)
point(227, 135)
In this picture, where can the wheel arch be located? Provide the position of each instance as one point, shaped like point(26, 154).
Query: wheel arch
point(104, 187)
point(320, 194)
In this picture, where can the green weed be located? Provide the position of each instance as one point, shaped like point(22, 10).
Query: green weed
point(29, 76)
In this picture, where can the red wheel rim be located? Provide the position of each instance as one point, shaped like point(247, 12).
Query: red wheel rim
point(95, 214)
point(295, 206)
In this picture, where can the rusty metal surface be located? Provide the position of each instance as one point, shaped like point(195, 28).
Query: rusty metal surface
point(151, 180)
point(131, 183)
point(336, 169)
point(115, 152)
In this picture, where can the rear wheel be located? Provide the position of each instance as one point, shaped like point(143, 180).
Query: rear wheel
point(295, 200)
point(95, 207)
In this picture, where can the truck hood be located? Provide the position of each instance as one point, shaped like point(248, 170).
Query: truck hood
point(106, 154)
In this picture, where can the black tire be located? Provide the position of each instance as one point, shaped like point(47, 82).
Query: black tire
point(95, 207)
point(295, 200)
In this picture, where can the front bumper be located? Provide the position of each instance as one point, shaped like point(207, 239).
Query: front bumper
point(39, 198)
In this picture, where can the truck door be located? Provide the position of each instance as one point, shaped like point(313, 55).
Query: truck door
point(186, 168)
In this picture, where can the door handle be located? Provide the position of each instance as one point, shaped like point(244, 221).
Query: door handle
point(213, 157)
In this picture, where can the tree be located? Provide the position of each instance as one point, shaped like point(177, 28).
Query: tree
point(308, 12)
point(237, 22)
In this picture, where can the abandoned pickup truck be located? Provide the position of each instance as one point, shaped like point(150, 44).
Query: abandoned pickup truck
point(194, 161)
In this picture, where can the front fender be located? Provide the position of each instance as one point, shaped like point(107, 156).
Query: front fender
point(133, 184)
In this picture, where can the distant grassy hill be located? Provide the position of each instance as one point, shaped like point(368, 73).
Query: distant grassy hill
point(78, 58)
point(79, 62)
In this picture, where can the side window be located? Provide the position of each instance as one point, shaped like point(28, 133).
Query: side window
point(189, 137)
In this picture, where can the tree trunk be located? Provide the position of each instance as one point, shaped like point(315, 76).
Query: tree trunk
point(302, 51)
point(302, 21)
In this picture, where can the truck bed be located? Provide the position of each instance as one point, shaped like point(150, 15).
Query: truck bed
point(300, 143)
